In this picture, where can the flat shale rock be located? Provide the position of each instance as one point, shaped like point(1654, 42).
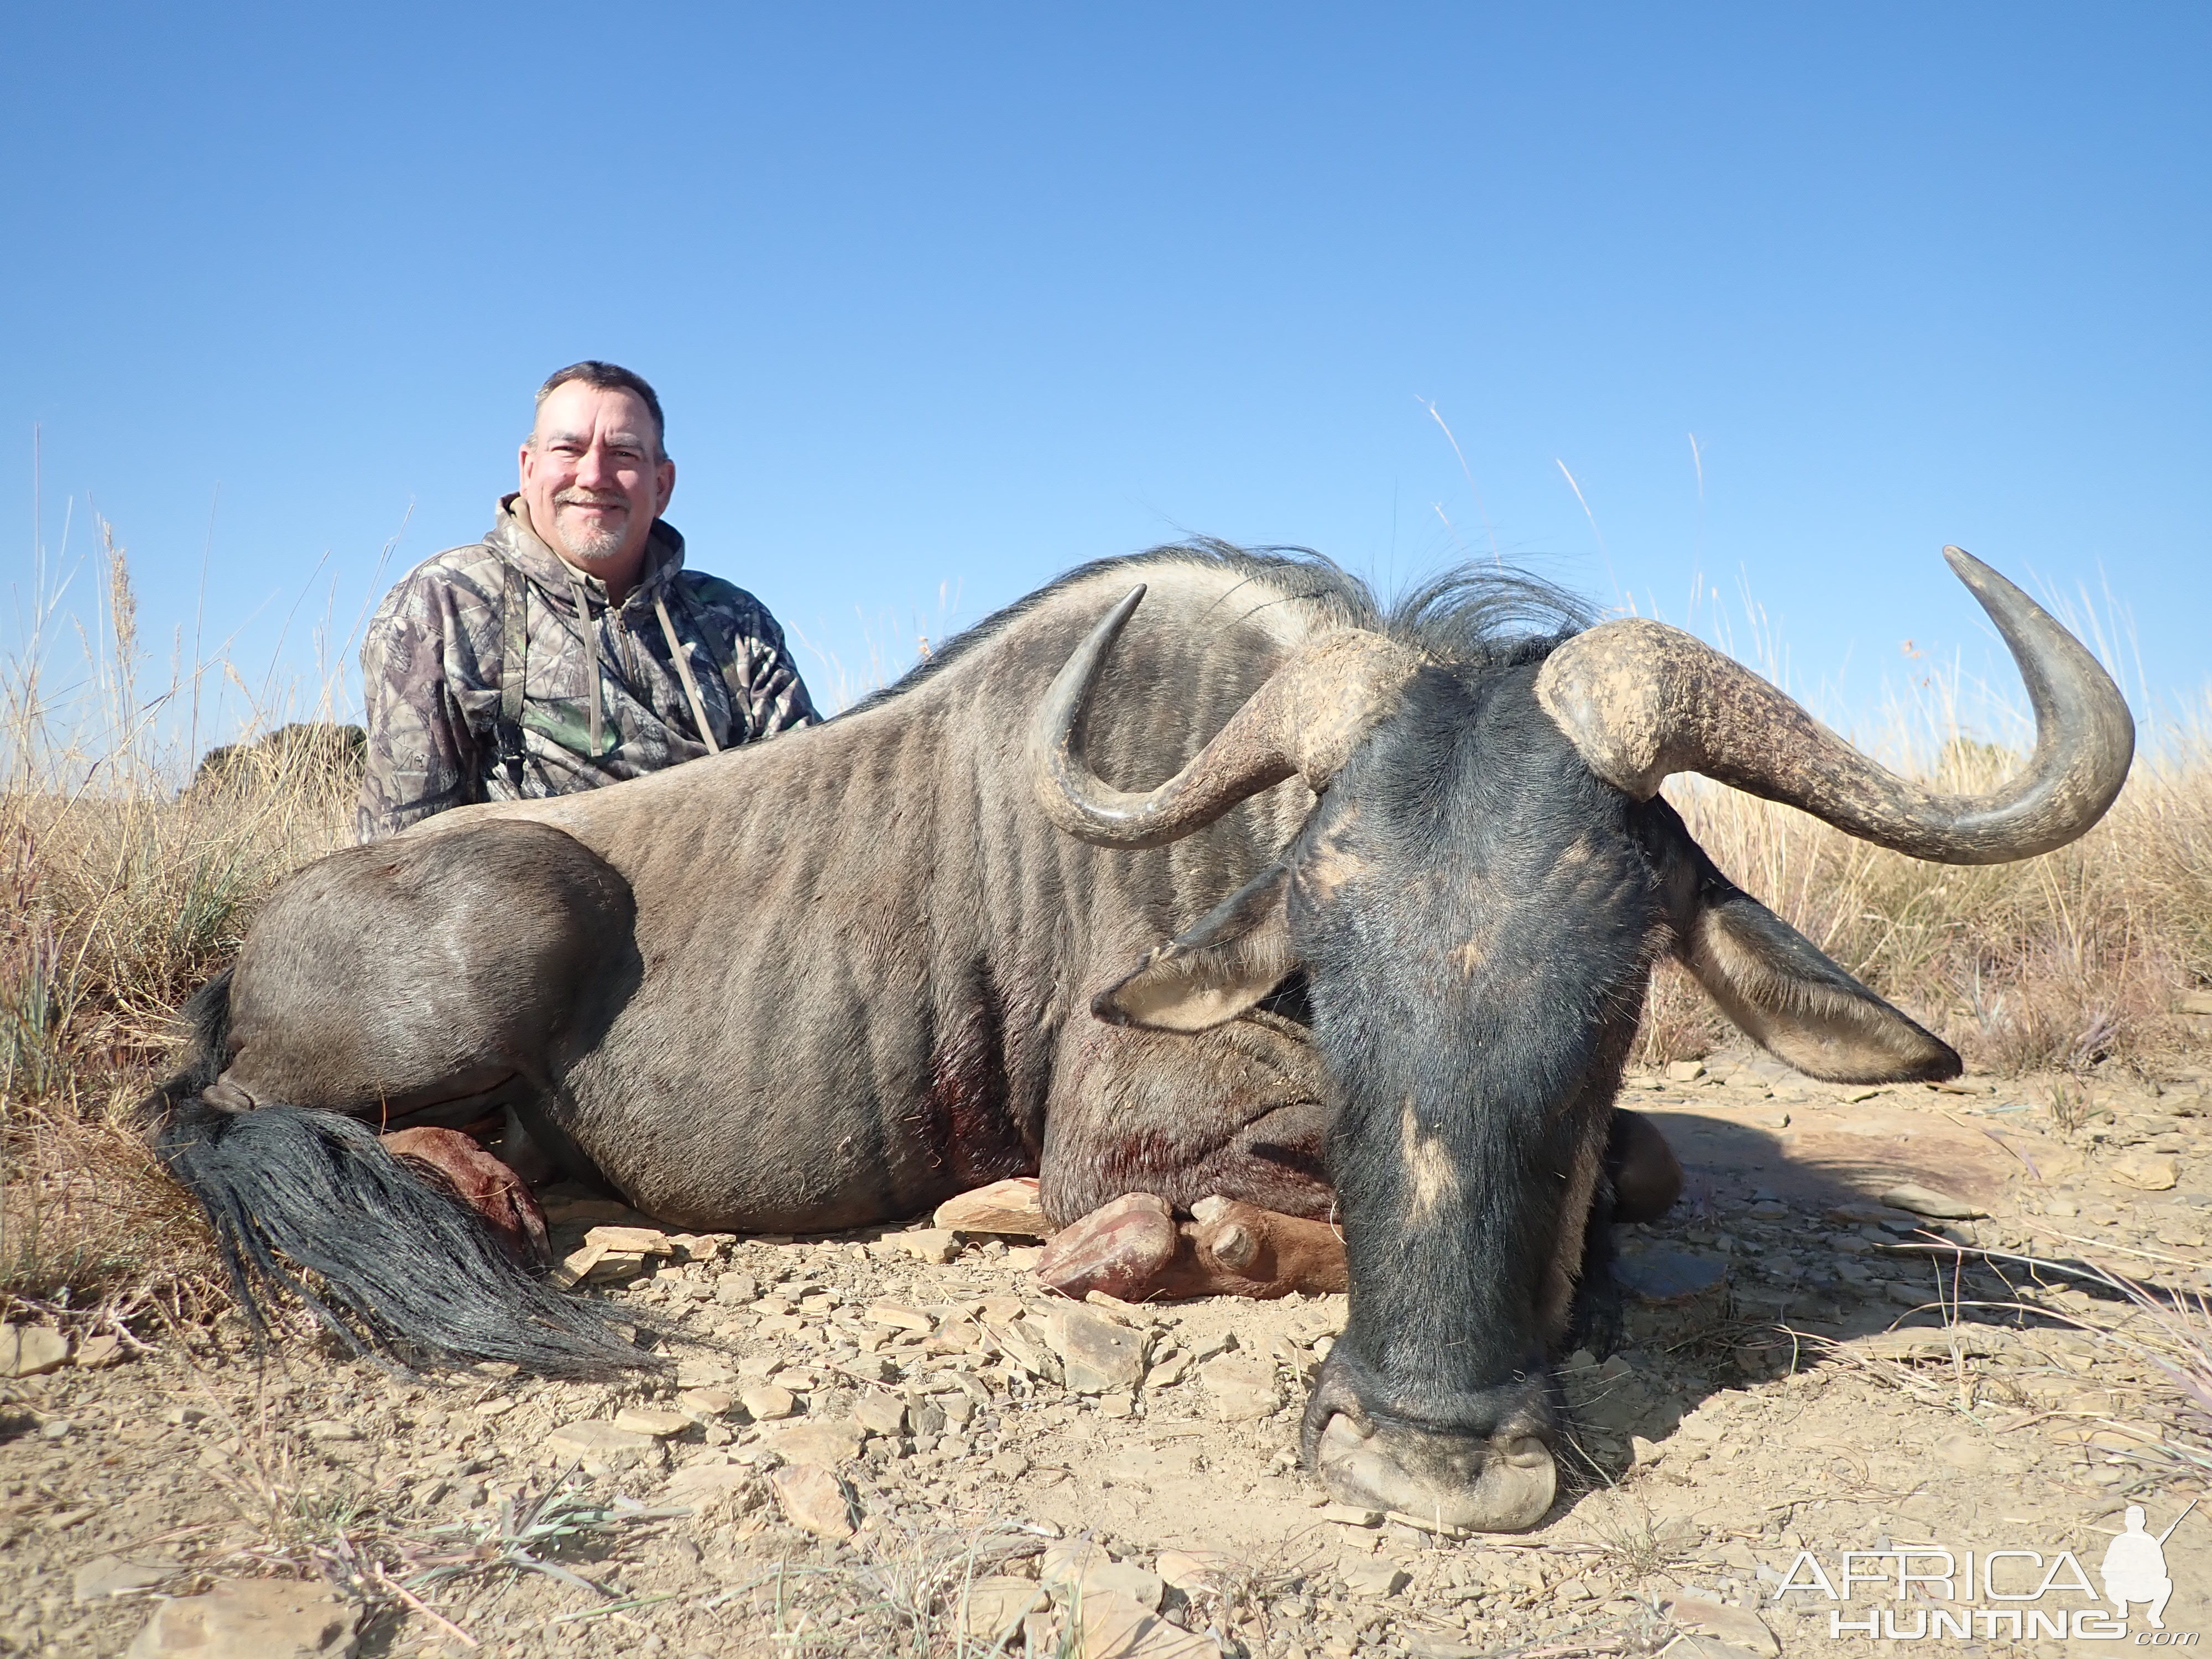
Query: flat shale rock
point(596, 1441)
point(824, 1445)
point(2147, 1172)
point(814, 1500)
point(1010, 1208)
point(1096, 1355)
point(995, 1607)
point(1739, 1628)
point(708, 1489)
point(251, 1619)
point(1927, 1201)
point(1112, 1626)
point(30, 1351)
point(765, 1402)
point(1240, 1388)
point(107, 1576)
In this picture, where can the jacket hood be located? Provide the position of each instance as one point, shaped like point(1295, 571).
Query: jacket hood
point(514, 537)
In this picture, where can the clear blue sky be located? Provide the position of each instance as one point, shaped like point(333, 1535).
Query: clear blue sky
point(959, 296)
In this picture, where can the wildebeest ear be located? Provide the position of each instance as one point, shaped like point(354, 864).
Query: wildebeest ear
point(1793, 1001)
point(1215, 970)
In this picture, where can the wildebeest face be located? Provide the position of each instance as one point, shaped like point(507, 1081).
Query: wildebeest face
point(1476, 902)
point(1476, 915)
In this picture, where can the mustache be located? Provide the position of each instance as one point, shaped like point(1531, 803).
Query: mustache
point(580, 498)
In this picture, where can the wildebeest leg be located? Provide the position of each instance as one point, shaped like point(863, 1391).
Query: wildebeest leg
point(434, 979)
point(1134, 1248)
point(1148, 1125)
point(1641, 1168)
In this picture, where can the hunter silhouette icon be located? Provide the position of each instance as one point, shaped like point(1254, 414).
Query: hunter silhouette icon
point(2134, 1567)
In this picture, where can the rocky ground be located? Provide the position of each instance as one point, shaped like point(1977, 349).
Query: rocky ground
point(896, 1444)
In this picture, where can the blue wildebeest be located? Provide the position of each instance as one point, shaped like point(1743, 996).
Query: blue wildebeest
point(1376, 948)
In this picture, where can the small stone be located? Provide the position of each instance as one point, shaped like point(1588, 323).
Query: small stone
point(183, 1416)
point(764, 1402)
point(882, 1413)
point(1643, 1452)
point(1702, 1615)
point(1380, 1579)
point(645, 1419)
point(734, 1289)
point(57, 1428)
point(1241, 1388)
point(1023, 1344)
point(1008, 1465)
point(1113, 1626)
point(701, 1405)
point(108, 1577)
point(1927, 1201)
point(994, 1609)
point(1078, 1569)
point(826, 1444)
point(1685, 1071)
point(2147, 1172)
point(1349, 1515)
point(98, 1353)
point(30, 1351)
point(814, 1500)
point(701, 1373)
point(632, 1241)
point(937, 1244)
point(899, 1317)
point(1097, 1355)
point(324, 1430)
point(709, 1489)
point(1008, 1208)
point(251, 1619)
point(596, 1441)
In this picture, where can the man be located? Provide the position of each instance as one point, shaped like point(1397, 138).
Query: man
point(569, 648)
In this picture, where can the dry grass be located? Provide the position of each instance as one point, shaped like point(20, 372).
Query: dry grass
point(2055, 964)
point(121, 894)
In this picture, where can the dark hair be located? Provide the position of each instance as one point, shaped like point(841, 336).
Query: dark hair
point(610, 377)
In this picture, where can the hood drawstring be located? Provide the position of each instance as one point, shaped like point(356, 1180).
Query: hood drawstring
point(682, 661)
point(592, 641)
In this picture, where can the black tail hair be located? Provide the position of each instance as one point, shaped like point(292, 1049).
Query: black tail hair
point(407, 1264)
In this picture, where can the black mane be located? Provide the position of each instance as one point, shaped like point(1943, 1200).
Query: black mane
point(1473, 615)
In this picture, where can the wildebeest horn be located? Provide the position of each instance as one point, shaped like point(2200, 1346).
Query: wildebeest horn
point(1302, 722)
point(1641, 700)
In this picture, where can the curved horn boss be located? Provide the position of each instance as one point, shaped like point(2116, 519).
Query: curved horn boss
point(1304, 722)
point(1640, 701)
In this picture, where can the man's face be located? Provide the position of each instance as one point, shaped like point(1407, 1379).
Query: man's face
point(594, 480)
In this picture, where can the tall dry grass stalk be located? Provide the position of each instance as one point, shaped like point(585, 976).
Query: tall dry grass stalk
point(121, 894)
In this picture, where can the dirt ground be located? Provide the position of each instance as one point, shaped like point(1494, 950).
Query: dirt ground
point(966, 1469)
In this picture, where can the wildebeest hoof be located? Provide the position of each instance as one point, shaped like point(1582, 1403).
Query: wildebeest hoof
point(1235, 1248)
point(1502, 1484)
point(1121, 1248)
point(480, 1180)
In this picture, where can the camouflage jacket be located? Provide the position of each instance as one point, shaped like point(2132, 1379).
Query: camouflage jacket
point(432, 661)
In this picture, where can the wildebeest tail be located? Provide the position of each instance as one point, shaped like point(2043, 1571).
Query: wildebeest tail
point(391, 1261)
